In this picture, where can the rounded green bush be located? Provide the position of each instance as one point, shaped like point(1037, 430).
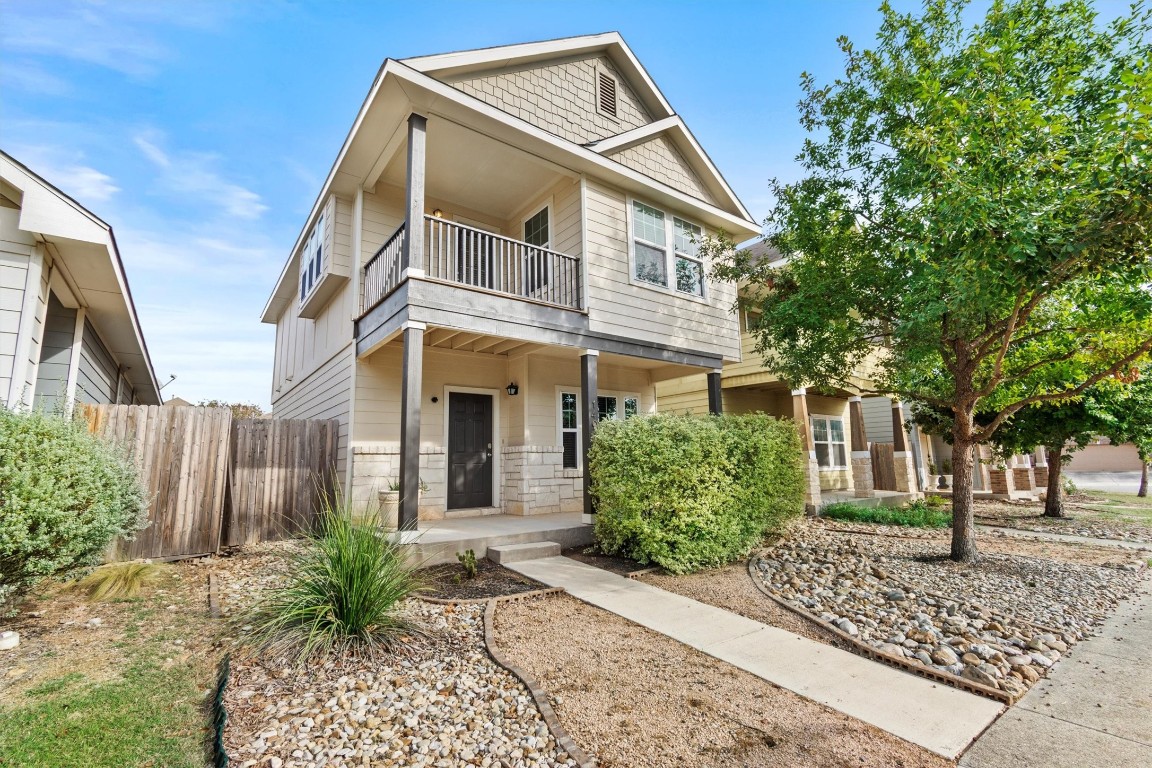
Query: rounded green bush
point(690, 492)
point(64, 495)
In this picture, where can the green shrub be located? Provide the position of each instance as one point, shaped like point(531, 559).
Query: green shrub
point(467, 559)
point(343, 592)
point(64, 495)
point(918, 514)
point(688, 492)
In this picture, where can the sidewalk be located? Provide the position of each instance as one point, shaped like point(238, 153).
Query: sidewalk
point(932, 715)
point(1068, 538)
point(1094, 709)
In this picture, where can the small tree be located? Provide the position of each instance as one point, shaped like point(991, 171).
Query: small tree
point(976, 204)
point(239, 410)
point(1130, 421)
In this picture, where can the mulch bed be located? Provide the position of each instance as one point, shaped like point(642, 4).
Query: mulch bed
point(621, 566)
point(447, 581)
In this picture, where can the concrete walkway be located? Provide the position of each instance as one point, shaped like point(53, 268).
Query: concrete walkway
point(1067, 538)
point(1094, 709)
point(939, 718)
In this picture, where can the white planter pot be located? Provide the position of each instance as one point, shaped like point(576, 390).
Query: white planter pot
point(390, 510)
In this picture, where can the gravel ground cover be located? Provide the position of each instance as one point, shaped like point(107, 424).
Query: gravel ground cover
point(1085, 517)
point(443, 702)
point(637, 699)
point(903, 596)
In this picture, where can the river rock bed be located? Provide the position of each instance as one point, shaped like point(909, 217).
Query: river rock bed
point(976, 621)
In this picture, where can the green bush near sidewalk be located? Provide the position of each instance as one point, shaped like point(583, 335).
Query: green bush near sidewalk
point(64, 495)
point(691, 492)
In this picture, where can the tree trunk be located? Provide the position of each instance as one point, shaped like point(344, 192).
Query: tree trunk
point(1143, 479)
point(963, 529)
point(1054, 502)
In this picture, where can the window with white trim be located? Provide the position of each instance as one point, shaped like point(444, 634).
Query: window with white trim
point(664, 246)
point(828, 438)
point(610, 405)
point(312, 259)
point(536, 263)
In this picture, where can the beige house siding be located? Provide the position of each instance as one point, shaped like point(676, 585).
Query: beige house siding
point(324, 394)
point(20, 262)
point(1104, 456)
point(660, 160)
point(619, 308)
point(560, 98)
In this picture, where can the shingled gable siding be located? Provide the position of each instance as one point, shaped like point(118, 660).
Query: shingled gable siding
point(661, 161)
point(561, 99)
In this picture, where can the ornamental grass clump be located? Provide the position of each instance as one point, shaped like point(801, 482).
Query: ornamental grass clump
point(120, 580)
point(343, 593)
point(688, 492)
point(64, 495)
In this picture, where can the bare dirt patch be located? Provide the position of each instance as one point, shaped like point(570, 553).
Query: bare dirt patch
point(448, 582)
point(633, 697)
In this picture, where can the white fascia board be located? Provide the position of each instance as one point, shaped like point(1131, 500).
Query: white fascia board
point(582, 155)
point(272, 309)
point(622, 141)
point(675, 126)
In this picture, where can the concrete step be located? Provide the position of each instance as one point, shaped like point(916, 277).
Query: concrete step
point(517, 553)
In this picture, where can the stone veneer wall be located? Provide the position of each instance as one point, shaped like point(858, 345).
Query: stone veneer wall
point(863, 481)
point(811, 485)
point(536, 483)
point(374, 466)
point(905, 467)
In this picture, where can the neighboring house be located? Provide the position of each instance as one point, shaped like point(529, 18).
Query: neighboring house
point(68, 328)
point(501, 256)
point(834, 422)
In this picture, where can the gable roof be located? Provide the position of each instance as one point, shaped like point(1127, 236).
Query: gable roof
point(86, 247)
point(423, 82)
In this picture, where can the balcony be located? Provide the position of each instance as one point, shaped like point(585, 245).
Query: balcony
point(466, 256)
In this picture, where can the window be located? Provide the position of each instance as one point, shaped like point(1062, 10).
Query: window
point(536, 232)
point(608, 406)
point(312, 259)
point(653, 260)
point(828, 437)
point(751, 320)
point(606, 93)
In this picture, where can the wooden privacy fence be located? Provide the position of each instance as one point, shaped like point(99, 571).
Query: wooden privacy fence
point(883, 466)
point(213, 481)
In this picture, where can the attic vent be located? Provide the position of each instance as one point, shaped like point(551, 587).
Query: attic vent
point(607, 94)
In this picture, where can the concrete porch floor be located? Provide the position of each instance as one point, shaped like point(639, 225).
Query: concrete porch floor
point(881, 499)
point(438, 541)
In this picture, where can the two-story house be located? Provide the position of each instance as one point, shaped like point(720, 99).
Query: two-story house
point(68, 328)
point(503, 254)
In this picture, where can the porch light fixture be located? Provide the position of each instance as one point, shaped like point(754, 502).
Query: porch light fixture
point(438, 213)
point(513, 390)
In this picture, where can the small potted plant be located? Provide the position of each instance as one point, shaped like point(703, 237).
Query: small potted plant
point(390, 503)
point(946, 474)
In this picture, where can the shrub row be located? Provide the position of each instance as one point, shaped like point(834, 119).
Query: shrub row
point(691, 492)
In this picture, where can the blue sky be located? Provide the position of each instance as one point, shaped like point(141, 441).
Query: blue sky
point(202, 131)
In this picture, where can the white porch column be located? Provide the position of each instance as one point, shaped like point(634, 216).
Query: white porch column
point(74, 360)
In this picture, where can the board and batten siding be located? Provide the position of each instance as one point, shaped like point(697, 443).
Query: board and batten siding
point(620, 308)
point(560, 97)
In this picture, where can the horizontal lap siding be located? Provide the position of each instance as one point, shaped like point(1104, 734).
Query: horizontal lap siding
point(616, 307)
point(324, 394)
point(55, 354)
point(97, 373)
point(13, 276)
point(878, 419)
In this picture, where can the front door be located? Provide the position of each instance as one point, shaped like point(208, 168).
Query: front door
point(469, 450)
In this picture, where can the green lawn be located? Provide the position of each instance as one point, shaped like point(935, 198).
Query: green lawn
point(1123, 505)
point(917, 514)
point(150, 715)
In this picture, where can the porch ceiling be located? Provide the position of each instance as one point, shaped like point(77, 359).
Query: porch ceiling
point(475, 171)
point(465, 341)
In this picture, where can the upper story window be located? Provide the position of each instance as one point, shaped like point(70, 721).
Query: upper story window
point(666, 246)
point(312, 259)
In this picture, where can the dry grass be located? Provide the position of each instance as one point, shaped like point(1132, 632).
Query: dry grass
point(120, 580)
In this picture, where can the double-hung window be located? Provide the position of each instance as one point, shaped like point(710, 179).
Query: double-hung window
point(666, 250)
point(609, 406)
point(536, 232)
point(828, 438)
point(312, 259)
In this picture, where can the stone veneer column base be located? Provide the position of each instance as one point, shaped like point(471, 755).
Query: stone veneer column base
point(535, 481)
point(905, 468)
point(863, 483)
point(812, 498)
point(375, 465)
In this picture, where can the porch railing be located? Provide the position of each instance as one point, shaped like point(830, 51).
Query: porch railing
point(472, 257)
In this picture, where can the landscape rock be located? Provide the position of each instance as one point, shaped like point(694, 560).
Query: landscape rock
point(9, 640)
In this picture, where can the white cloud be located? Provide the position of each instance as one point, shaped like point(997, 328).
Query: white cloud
point(69, 172)
point(191, 174)
point(30, 77)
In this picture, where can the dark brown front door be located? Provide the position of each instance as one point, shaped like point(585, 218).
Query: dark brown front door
point(469, 450)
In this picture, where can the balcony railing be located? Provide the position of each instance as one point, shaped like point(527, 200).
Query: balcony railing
point(468, 256)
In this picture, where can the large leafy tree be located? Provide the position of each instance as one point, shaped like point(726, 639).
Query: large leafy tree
point(976, 201)
point(1130, 421)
